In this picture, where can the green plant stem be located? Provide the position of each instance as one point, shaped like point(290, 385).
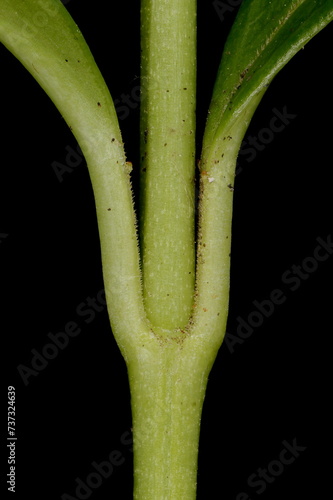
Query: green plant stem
point(168, 74)
point(168, 387)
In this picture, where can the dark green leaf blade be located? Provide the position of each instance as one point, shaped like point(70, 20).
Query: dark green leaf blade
point(264, 37)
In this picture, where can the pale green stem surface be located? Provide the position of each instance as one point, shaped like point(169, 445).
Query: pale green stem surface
point(168, 75)
point(168, 385)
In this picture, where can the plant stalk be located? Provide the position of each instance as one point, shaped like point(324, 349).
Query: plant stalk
point(167, 387)
point(168, 80)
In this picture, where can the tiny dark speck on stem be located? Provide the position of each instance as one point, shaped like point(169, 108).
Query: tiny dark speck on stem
point(109, 209)
point(99, 104)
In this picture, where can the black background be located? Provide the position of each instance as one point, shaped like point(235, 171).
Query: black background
point(273, 386)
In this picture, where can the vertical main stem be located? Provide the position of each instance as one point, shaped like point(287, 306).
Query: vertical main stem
point(168, 77)
point(167, 391)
